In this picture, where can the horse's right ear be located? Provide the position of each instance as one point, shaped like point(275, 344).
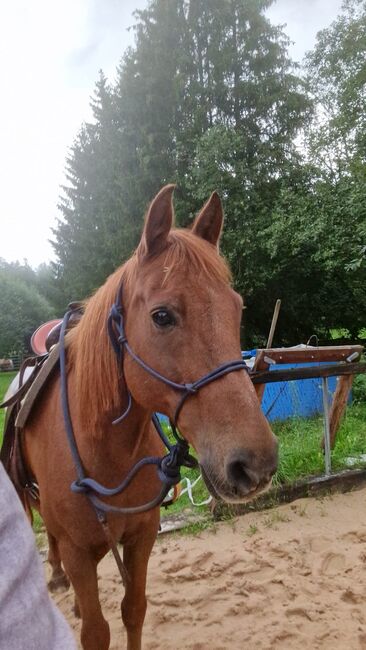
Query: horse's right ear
point(158, 222)
point(208, 223)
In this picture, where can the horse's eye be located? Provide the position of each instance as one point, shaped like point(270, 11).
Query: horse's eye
point(163, 318)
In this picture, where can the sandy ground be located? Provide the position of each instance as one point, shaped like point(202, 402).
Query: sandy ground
point(293, 577)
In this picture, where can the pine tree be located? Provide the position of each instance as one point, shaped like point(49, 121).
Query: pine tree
point(207, 97)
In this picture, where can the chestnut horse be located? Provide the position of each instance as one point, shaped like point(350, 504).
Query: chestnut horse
point(182, 318)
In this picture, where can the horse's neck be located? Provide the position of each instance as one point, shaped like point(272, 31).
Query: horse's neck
point(114, 444)
point(132, 434)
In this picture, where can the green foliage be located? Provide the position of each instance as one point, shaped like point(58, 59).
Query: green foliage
point(22, 308)
point(5, 380)
point(337, 74)
point(50, 284)
point(208, 97)
point(311, 243)
point(359, 389)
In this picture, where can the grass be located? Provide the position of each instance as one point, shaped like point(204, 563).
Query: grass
point(5, 379)
point(299, 438)
point(252, 530)
point(300, 453)
point(275, 517)
point(196, 528)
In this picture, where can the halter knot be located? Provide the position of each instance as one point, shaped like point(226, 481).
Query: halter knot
point(78, 488)
point(116, 311)
point(191, 388)
point(170, 465)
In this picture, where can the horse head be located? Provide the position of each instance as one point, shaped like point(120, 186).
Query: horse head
point(182, 318)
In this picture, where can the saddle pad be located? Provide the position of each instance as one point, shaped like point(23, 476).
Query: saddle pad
point(30, 398)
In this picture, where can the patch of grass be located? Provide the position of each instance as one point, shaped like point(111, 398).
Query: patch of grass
point(38, 525)
point(5, 379)
point(252, 530)
point(351, 438)
point(275, 517)
point(300, 454)
point(198, 527)
point(299, 449)
point(359, 389)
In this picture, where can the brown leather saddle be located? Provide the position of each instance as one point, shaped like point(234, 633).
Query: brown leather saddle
point(31, 379)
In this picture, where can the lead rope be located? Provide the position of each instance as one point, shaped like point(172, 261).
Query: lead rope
point(101, 516)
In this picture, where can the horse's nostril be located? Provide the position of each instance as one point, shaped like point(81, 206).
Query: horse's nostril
point(241, 477)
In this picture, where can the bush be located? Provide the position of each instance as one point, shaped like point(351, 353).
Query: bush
point(359, 389)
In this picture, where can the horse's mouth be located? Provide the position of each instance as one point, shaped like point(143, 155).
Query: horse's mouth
point(209, 485)
point(230, 494)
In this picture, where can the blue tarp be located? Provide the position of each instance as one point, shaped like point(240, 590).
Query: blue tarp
point(286, 399)
point(300, 398)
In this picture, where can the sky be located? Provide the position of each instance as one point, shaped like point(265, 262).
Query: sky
point(51, 53)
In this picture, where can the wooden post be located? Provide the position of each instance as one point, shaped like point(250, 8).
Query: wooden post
point(327, 456)
point(339, 404)
point(260, 364)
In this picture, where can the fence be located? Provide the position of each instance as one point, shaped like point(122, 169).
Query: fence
point(11, 363)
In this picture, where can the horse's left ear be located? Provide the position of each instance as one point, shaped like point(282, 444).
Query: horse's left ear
point(208, 223)
point(159, 220)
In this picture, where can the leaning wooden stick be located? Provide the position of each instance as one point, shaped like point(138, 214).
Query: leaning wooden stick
point(260, 363)
point(274, 323)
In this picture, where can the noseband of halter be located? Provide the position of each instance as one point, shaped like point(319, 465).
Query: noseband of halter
point(168, 467)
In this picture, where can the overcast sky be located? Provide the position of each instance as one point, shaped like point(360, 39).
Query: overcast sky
point(51, 53)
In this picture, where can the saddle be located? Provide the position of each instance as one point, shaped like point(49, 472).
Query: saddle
point(33, 376)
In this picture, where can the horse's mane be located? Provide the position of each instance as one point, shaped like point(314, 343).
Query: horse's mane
point(99, 388)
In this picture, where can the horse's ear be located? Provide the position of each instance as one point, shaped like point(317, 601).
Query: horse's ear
point(158, 222)
point(208, 223)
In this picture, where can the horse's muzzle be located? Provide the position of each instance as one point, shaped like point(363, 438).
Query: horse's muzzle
point(244, 477)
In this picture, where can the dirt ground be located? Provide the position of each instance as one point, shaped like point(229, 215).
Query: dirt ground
point(293, 577)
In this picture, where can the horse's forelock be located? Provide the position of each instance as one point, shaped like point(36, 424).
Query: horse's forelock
point(186, 253)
